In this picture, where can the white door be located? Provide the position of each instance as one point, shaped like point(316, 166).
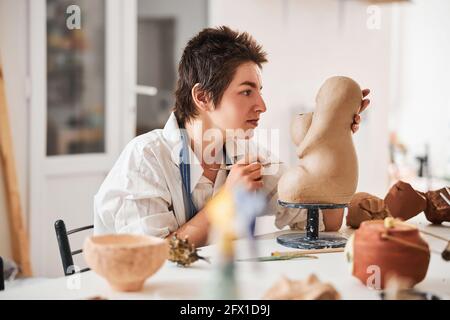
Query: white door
point(80, 100)
point(162, 30)
point(92, 90)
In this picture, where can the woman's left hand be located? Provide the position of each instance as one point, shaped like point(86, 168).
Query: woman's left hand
point(364, 104)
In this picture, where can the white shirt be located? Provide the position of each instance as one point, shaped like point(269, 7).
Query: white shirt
point(142, 194)
point(205, 189)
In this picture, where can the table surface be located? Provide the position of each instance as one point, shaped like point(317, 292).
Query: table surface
point(194, 282)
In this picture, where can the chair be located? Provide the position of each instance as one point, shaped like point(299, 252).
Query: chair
point(64, 246)
point(2, 277)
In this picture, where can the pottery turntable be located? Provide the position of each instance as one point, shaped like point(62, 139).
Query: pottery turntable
point(311, 239)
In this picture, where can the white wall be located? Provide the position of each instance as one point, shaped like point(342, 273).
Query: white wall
point(13, 52)
point(308, 41)
point(422, 104)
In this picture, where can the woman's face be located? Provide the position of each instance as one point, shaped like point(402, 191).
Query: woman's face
point(241, 104)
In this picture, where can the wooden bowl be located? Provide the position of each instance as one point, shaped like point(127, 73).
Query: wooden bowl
point(125, 260)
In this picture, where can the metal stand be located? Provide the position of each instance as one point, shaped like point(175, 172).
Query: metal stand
point(311, 240)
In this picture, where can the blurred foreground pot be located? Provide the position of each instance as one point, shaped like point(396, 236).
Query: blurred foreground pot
point(379, 253)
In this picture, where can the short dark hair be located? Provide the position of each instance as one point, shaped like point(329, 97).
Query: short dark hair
point(211, 59)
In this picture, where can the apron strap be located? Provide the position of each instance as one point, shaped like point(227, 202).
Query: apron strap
point(185, 171)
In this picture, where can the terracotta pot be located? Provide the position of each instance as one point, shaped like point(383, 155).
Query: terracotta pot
point(327, 171)
point(371, 251)
point(126, 261)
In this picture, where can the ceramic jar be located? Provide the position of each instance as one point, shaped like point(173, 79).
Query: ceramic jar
point(372, 255)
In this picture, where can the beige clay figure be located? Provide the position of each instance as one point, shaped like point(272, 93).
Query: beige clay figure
point(328, 168)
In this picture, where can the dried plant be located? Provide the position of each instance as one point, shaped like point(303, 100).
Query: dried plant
point(182, 252)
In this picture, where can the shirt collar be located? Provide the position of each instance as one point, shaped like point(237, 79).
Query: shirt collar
point(172, 136)
point(195, 168)
point(235, 149)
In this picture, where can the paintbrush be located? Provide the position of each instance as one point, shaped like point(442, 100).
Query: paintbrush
point(230, 166)
point(278, 258)
point(303, 252)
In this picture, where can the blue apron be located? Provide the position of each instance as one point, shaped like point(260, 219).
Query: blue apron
point(185, 171)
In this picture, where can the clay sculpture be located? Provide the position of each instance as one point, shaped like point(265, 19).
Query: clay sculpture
point(328, 167)
point(404, 202)
point(378, 252)
point(364, 207)
point(309, 289)
point(125, 260)
point(438, 206)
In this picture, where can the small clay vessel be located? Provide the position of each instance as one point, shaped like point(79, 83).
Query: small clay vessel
point(327, 171)
point(364, 207)
point(404, 202)
point(125, 260)
point(371, 252)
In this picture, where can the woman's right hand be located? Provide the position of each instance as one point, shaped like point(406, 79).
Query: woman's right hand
point(247, 175)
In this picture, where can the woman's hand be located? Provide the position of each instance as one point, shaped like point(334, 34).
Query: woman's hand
point(247, 175)
point(364, 105)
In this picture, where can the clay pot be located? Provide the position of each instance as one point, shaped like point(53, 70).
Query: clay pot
point(328, 167)
point(368, 251)
point(126, 261)
point(404, 202)
point(364, 207)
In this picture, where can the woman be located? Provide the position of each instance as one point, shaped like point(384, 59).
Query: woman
point(163, 179)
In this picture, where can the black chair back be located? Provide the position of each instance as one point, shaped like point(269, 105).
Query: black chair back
point(2, 275)
point(64, 246)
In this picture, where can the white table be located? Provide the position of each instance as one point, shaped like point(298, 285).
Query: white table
point(172, 282)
